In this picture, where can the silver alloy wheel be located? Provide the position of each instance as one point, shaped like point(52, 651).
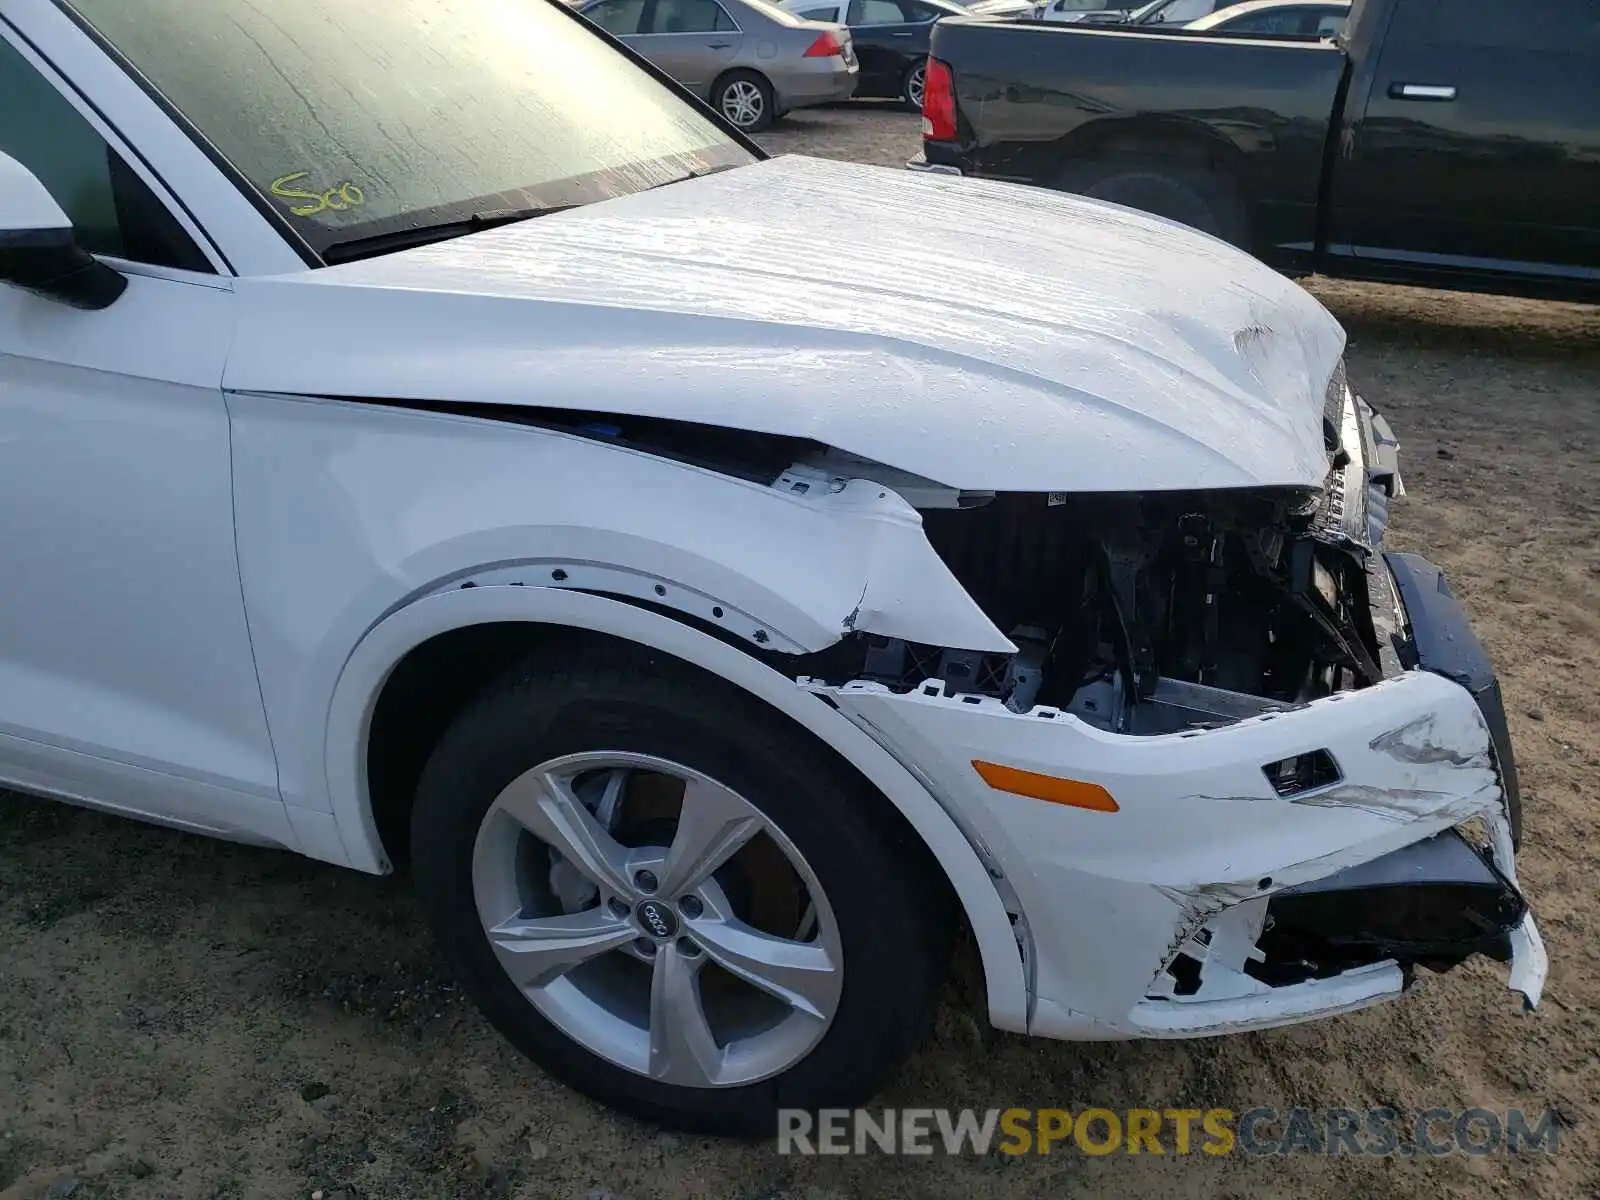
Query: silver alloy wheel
point(612, 943)
point(743, 103)
point(915, 84)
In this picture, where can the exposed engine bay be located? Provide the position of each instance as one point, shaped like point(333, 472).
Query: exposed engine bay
point(1162, 612)
point(1149, 613)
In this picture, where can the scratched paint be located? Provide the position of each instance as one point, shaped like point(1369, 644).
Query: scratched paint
point(1405, 804)
point(1423, 743)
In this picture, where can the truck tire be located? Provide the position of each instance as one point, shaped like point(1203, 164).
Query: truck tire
point(1202, 198)
point(634, 976)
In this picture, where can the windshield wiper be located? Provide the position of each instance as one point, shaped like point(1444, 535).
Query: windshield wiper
point(422, 235)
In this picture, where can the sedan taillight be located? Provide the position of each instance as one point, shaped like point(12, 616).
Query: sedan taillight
point(826, 46)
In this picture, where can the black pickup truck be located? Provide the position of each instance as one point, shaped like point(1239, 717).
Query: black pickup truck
point(1450, 143)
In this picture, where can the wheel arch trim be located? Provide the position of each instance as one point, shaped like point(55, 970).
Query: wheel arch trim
point(1140, 133)
point(387, 643)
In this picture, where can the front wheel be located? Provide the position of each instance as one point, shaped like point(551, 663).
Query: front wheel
point(745, 99)
point(912, 83)
point(673, 900)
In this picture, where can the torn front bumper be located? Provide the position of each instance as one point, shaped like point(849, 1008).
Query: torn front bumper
point(1440, 639)
point(1157, 919)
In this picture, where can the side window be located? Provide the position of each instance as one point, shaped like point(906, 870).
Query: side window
point(690, 16)
point(919, 14)
point(876, 12)
point(617, 17)
point(111, 210)
point(1545, 25)
point(820, 14)
point(1272, 24)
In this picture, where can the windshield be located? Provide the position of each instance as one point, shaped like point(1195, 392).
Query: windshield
point(361, 117)
point(1141, 15)
point(1175, 12)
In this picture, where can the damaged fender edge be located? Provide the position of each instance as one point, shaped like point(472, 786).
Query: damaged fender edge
point(906, 590)
point(363, 674)
point(1003, 886)
point(855, 560)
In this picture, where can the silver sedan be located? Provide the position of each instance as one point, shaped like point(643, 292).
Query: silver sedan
point(749, 59)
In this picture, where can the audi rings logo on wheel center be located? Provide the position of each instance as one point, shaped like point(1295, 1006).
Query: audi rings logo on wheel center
point(657, 919)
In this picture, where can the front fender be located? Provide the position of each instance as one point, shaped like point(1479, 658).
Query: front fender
point(387, 643)
point(347, 512)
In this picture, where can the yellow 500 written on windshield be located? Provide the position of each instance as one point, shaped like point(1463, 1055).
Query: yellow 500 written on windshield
point(338, 198)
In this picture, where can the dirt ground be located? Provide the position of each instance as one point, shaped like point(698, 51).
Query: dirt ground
point(182, 1018)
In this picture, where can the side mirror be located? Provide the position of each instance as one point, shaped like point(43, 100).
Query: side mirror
point(38, 251)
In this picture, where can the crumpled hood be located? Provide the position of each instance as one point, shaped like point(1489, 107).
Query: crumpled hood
point(982, 335)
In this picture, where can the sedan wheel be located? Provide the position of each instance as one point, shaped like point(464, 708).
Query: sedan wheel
point(672, 898)
point(911, 90)
point(745, 100)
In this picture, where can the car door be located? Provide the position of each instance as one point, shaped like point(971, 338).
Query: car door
point(126, 672)
point(887, 41)
point(694, 41)
point(1478, 147)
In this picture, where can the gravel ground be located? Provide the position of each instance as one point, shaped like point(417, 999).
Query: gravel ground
point(870, 131)
point(182, 1018)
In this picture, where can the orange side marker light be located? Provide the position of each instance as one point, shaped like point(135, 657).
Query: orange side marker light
point(1071, 792)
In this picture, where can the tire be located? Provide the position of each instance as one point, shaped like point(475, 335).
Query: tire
point(1200, 197)
point(911, 84)
point(746, 100)
point(882, 912)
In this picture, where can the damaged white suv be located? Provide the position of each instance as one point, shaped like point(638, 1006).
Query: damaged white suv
point(718, 601)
